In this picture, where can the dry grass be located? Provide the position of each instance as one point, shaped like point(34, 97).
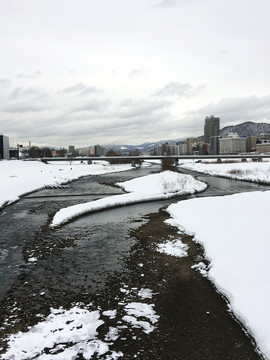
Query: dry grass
point(222, 162)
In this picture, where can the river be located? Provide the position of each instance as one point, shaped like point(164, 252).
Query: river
point(40, 267)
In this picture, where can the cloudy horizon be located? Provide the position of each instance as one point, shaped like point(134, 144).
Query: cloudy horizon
point(102, 72)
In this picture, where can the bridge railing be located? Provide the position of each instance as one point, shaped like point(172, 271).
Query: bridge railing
point(176, 158)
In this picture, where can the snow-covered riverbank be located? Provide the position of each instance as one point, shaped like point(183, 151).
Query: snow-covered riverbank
point(21, 177)
point(248, 170)
point(234, 232)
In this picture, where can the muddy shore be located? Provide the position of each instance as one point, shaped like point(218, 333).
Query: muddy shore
point(194, 319)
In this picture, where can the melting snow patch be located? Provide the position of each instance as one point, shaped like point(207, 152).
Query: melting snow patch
point(110, 313)
point(145, 293)
point(174, 248)
point(69, 334)
point(113, 334)
point(137, 310)
point(201, 267)
point(145, 325)
point(75, 326)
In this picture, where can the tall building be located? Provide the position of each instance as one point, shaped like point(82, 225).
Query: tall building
point(211, 128)
point(4, 147)
point(98, 150)
point(71, 149)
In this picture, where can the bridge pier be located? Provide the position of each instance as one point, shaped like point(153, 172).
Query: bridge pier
point(176, 162)
point(133, 163)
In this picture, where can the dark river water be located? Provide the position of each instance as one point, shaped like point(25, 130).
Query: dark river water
point(101, 239)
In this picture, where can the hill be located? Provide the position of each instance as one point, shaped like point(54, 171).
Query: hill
point(143, 148)
point(248, 128)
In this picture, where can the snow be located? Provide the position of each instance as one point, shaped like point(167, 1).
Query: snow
point(145, 293)
point(151, 187)
point(110, 313)
point(137, 310)
point(65, 334)
point(173, 248)
point(61, 326)
point(234, 231)
point(248, 170)
point(21, 177)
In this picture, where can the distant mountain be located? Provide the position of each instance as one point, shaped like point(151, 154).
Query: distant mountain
point(143, 148)
point(248, 128)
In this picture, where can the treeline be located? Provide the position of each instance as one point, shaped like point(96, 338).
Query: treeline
point(37, 152)
point(122, 161)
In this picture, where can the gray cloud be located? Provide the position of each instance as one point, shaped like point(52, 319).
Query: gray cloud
point(95, 122)
point(35, 75)
point(28, 92)
point(92, 106)
point(224, 52)
point(142, 108)
point(110, 127)
point(5, 81)
point(136, 72)
point(179, 89)
point(24, 107)
point(80, 90)
point(171, 3)
point(237, 110)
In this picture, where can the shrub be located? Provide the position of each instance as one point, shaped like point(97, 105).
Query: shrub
point(168, 164)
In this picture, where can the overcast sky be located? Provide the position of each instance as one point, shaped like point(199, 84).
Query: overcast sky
point(85, 72)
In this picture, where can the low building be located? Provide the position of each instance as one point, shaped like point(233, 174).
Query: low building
point(182, 149)
point(192, 145)
point(263, 145)
point(214, 145)
point(84, 151)
point(264, 137)
point(4, 147)
point(263, 148)
point(232, 144)
point(169, 148)
point(14, 153)
point(203, 148)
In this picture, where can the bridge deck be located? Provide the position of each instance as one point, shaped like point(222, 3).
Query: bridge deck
point(157, 157)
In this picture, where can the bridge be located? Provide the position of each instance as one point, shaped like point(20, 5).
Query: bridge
point(175, 158)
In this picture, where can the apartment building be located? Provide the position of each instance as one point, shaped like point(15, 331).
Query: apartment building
point(4, 147)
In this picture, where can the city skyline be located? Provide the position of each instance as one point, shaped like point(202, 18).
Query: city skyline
point(119, 72)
